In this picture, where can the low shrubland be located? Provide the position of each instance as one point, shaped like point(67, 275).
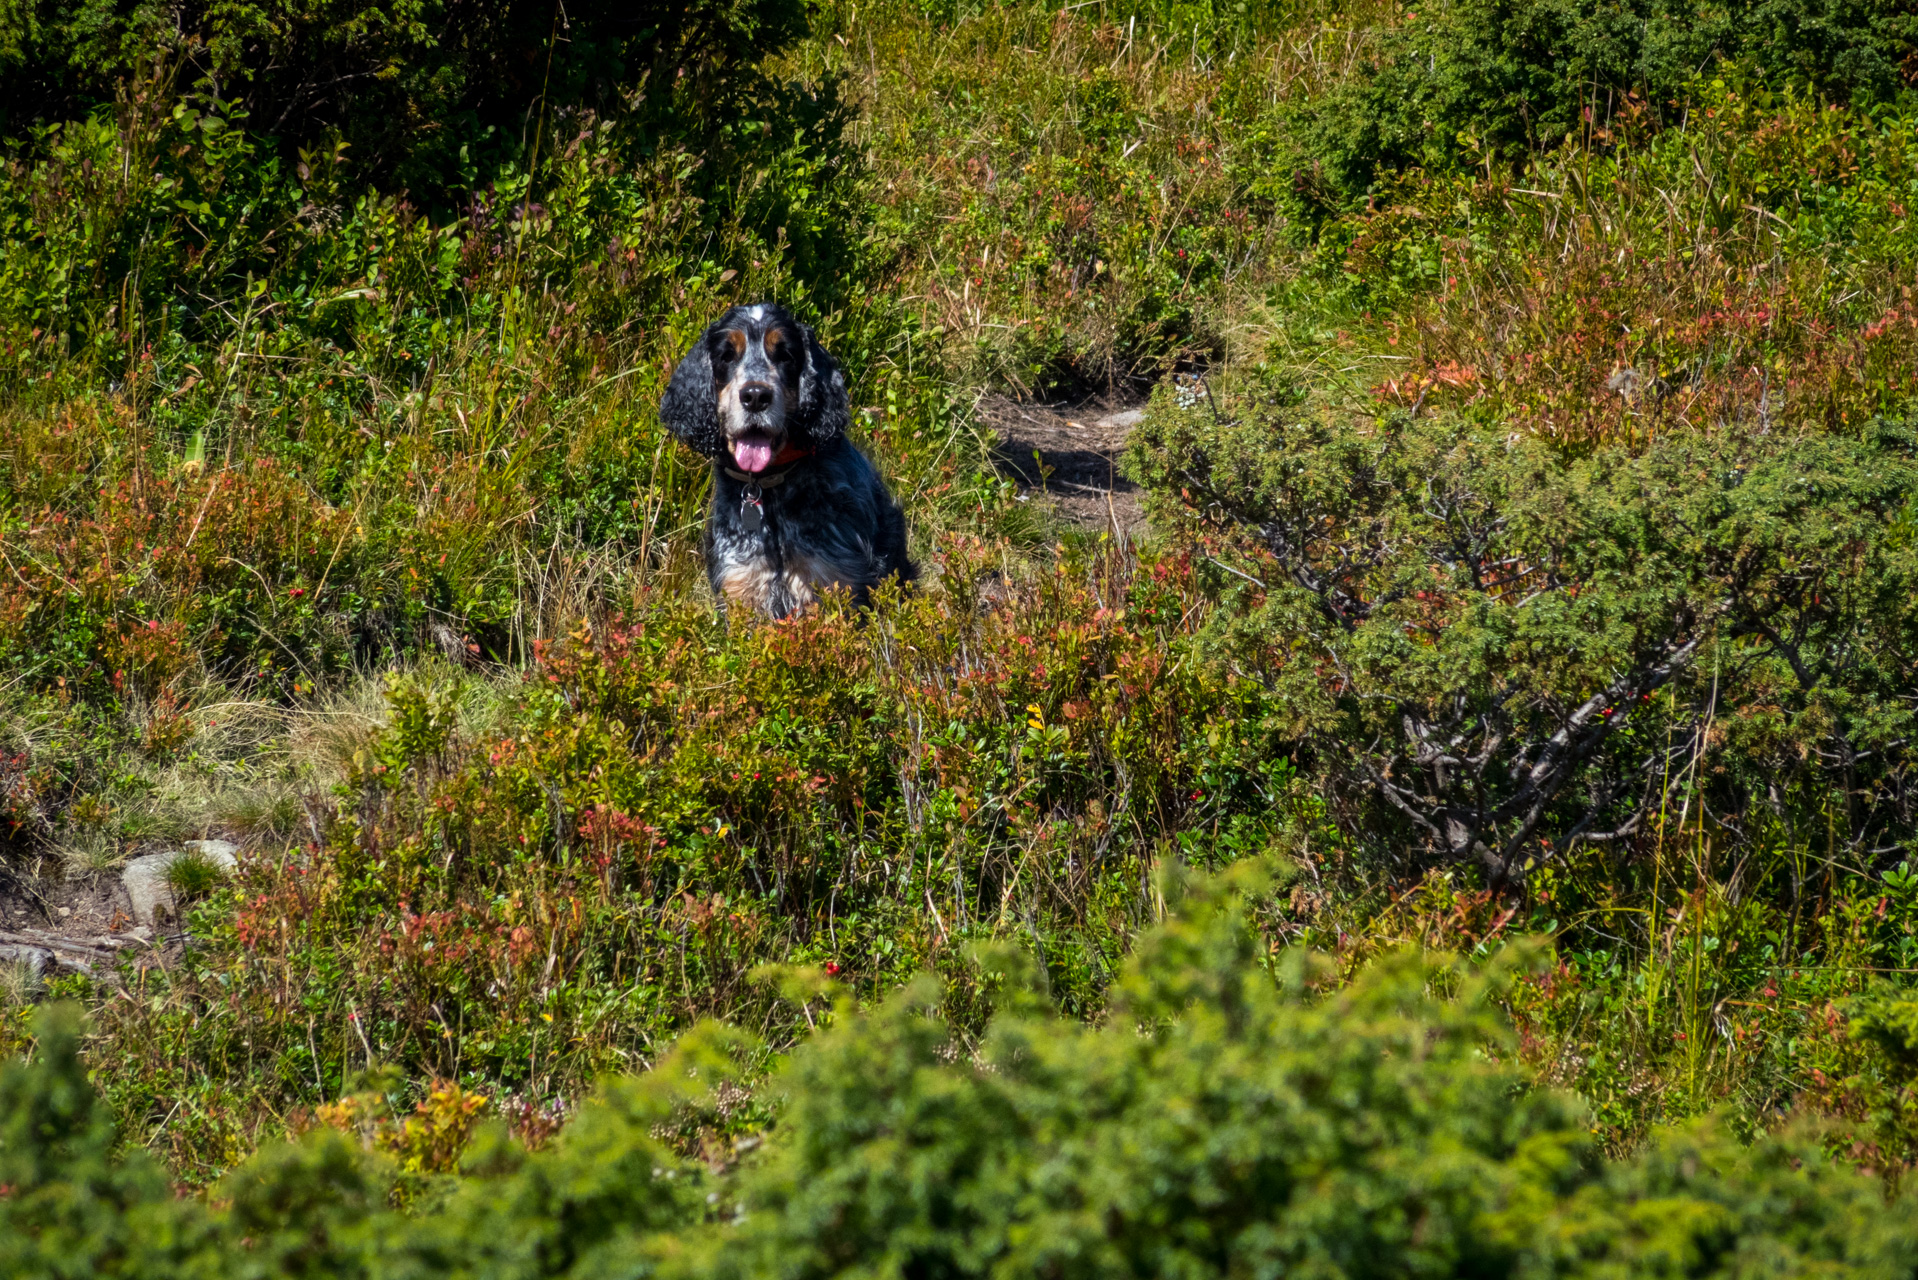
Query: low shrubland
point(1224, 1117)
point(1532, 494)
point(537, 901)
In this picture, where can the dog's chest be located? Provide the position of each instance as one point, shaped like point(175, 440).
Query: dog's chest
point(761, 562)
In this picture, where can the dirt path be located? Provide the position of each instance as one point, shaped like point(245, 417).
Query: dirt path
point(1079, 448)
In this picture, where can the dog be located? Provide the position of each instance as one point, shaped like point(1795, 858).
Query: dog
point(797, 508)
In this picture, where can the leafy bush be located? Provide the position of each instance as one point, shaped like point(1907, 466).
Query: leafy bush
point(1729, 292)
point(669, 803)
point(1226, 1118)
point(1519, 648)
point(69, 1195)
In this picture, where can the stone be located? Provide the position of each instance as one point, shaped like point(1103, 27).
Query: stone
point(33, 959)
point(145, 882)
point(224, 853)
point(145, 878)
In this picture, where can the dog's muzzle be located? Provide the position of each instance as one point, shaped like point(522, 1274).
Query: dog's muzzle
point(755, 447)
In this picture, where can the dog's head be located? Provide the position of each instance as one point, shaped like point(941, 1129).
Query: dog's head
point(756, 387)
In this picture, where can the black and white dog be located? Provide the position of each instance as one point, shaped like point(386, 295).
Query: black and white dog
point(796, 507)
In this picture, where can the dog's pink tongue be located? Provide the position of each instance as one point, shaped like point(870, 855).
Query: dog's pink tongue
point(753, 453)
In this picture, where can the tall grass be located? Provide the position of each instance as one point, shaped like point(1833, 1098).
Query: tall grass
point(1077, 201)
point(1749, 272)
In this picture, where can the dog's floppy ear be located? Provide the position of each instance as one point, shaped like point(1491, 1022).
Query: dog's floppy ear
point(823, 412)
point(690, 407)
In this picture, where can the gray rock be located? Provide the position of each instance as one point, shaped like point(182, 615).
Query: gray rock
point(222, 853)
point(33, 959)
point(146, 886)
point(145, 878)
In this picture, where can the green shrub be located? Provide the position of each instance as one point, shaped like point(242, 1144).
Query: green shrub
point(430, 97)
point(1226, 1119)
point(1712, 287)
point(1875, 1089)
point(1496, 81)
point(1516, 646)
point(666, 804)
point(72, 1205)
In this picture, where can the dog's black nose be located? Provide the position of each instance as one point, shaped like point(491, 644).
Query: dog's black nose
point(756, 397)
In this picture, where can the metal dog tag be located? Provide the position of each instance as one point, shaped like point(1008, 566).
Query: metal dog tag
point(751, 515)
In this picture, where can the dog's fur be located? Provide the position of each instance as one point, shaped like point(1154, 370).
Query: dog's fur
point(759, 396)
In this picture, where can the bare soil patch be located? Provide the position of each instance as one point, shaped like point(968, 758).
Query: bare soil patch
point(82, 923)
point(81, 906)
point(1077, 465)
